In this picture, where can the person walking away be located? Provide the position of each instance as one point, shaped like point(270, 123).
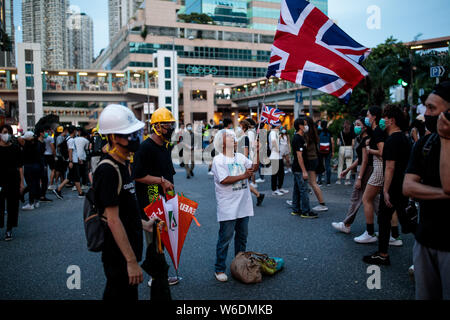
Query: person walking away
point(234, 203)
point(276, 162)
point(60, 163)
point(285, 150)
point(31, 168)
point(365, 169)
point(424, 181)
point(11, 180)
point(42, 134)
point(50, 156)
point(244, 147)
point(153, 168)
point(188, 150)
point(300, 197)
point(374, 148)
point(312, 141)
point(82, 147)
point(326, 151)
point(123, 243)
point(346, 141)
point(396, 151)
point(74, 170)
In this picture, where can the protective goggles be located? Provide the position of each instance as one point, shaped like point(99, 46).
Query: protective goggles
point(132, 136)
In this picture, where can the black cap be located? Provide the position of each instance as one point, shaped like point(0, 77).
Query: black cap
point(442, 90)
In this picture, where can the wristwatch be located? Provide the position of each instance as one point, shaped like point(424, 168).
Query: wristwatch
point(359, 177)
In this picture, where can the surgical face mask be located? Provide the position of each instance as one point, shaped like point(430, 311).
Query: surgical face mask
point(283, 131)
point(431, 123)
point(6, 137)
point(189, 128)
point(358, 130)
point(367, 121)
point(306, 129)
point(46, 135)
point(319, 127)
point(382, 124)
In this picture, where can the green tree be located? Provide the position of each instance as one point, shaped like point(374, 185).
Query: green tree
point(196, 18)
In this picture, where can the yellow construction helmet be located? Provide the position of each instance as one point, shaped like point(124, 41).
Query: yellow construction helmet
point(162, 115)
point(60, 129)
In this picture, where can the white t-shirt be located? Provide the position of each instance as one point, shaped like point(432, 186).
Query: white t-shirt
point(48, 148)
point(421, 109)
point(82, 145)
point(274, 144)
point(71, 145)
point(233, 201)
point(252, 138)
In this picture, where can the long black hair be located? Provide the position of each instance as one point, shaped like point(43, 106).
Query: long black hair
point(376, 112)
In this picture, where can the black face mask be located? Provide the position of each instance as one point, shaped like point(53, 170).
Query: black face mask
point(168, 135)
point(133, 145)
point(431, 123)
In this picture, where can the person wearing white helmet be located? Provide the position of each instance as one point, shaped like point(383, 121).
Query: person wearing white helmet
point(123, 243)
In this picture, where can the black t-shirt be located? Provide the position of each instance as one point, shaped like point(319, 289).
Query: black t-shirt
point(10, 162)
point(397, 148)
point(378, 136)
point(106, 182)
point(153, 160)
point(32, 152)
point(298, 144)
point(346, 138)
point(434, 217)
point(361, 143)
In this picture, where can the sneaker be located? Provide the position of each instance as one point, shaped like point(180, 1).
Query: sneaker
point(52, 187)
point(74, 188)
point(260, 199)
point(210, 173)
point(260, 180)
point(149, 283)
point(289, 202)
point(58, 194)
point(28, 207)
point(328, 184)
point(81, 195)
point(411, 271)
point(85, 188)
point(296, 214)
point(309, 215)
point(284, 191)
point(338, 182)
point(254, 185)
point(8, 236)
point(320, 208)
point(45, 200)
point(277, 193)
point(395, 242)
point(37, 204)
point(377, 259)
point(173, 281)
point(366, 238)
point(348, 183)
point(222, 277)
point(340, 226)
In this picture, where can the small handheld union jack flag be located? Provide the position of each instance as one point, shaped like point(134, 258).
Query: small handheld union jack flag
point(271, 116)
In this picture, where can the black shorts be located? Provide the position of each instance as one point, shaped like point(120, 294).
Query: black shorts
point(61, 166)
point(311, 165)
point(74, 173)
point(50, 161)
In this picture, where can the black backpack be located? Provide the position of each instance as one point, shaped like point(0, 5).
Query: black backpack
point(94, 222)
point(64, 148)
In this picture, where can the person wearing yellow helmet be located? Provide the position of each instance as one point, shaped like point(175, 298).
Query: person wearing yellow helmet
point(163, 125)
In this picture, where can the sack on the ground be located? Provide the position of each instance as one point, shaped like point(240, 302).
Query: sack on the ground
point(94, 222)
point(246, 268)
point(269, 266)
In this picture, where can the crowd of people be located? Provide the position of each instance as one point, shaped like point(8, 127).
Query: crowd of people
point(395, 165)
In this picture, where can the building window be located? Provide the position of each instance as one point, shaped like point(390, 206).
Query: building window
point(167, 62)
point(30, 94)
point(29, 81)
point(168, 85)
point(30, 122)
point(168, 100)
point(168, 73)
point(29, 68)
point(30, 108)
point(29, 55)
point(198, 95)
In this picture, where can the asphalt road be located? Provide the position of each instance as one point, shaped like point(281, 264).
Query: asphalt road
point(320, 262)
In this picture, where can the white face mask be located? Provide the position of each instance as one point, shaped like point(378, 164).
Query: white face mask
point(5, 137)
point(189, 128)
point(306, 129)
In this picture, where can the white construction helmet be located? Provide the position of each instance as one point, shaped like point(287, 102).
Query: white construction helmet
point(117, 119)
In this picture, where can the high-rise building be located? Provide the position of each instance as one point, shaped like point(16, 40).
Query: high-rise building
point(44, 22)
point(7, 58)
point(254, 14)
point(120, 12)
point(80, 37)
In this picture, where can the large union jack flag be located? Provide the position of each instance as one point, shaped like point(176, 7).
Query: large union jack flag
point(311, 50)
point(271, 116)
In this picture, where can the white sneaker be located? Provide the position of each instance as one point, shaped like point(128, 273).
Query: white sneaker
point(222, 277)
point(411, 271)
point(395, 242)
point(52, 187)
point(254, 185)
point(284, 191)
point(37, 204)
point(289, 202)
point(277, 193)
point(149, 283)
point(260, 180)
point(74, 188)
point(210, 173)
point(320, 208)
point(365, 238)
point(84, 187)
point(340, 226)
point(28, 207)
point(347, 183)
point(338, 182)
